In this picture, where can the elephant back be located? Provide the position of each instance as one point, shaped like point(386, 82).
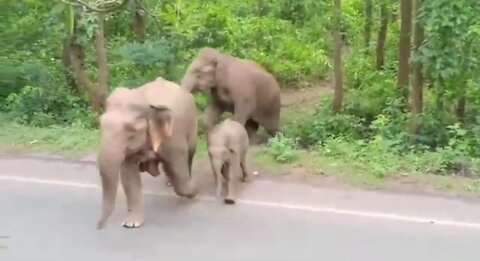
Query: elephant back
point(161, 92)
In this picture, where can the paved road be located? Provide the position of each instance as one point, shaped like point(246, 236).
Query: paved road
point(50, 211)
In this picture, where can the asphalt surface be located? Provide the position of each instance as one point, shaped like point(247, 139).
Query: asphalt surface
point(49, 211)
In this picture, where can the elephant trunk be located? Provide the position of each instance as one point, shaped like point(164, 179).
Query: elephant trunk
point(188, 81)
point(110, 160)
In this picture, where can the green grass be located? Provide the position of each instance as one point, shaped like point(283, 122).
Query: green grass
point(354, 174)
point(69, 142)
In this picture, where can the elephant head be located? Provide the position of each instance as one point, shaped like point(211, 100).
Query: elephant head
point(160, 124)
point(128, 126)
point(201, 74)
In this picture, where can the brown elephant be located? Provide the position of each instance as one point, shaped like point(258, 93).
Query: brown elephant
point(160, 115)
point(236, 85)
point(227, 148)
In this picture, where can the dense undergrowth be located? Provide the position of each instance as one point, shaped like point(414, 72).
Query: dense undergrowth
point(292, 40)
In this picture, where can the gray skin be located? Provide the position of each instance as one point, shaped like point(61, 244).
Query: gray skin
point(227, 148)
point(132, 118)
point(238, 86)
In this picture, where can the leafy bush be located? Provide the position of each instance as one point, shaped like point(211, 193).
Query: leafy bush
point(322, 125)
point(274, 43)
point(14, 77)
point(282, 149)
point(137, 63)
point(41, 107)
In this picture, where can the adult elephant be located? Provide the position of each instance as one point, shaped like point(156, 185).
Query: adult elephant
point(158, 116)
point(236, 85)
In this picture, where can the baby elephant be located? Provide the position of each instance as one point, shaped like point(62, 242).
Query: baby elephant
point(227, 148)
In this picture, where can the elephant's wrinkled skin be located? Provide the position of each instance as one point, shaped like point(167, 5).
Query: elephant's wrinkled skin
point(158, 116)
point(227, 148)
point(236, 85)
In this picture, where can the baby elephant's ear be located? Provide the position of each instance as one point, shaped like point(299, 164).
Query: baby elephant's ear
point(160, 125)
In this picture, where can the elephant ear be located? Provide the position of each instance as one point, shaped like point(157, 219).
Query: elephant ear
point(160, 125)
point(206, 72)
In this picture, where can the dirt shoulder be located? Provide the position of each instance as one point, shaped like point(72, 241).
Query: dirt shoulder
point(282, 174)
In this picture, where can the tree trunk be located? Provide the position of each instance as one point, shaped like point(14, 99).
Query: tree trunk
point(139, 23)
point(67, 68)
point(78, 65)
point(382, 37)
point(404, 44)
point(261, 7)
point(461, 105)
point(416, 94)
point(97, 92)
point(337, 58)
point(439, 93)
point(100, 94)
point(368, 24)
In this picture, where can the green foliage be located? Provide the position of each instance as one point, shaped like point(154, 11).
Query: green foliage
point(134, 63)
point(14, 77)
point(42, 107)
point(274, 42)
point(451, 52)
point(292, 40)
point(282, 149)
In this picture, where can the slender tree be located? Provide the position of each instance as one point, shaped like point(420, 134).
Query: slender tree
point(367, 31)
point(96, 91)
point(404, 44)
point(139, 22)
point(75, 55)
point(337, 58)
point(261, 7)
point(416, 93)
point(382, 35)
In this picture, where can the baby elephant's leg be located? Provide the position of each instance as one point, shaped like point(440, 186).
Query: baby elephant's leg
point(247, 175)
point(217, 168)
point(233, 171)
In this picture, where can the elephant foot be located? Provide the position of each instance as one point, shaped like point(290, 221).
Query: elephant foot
point(229, 201)
point(133, 220)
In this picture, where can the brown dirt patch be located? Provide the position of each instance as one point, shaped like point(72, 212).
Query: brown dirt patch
point(306, 96)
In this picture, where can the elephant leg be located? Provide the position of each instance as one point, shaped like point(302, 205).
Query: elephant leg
point(247, 176)
point(212, 112)
point(176, 167)
point(271, 125)
point(252, 127)
point(230, 174)
point(217, 168)
point(241, 114)
point(132, 185)
point(191, 154)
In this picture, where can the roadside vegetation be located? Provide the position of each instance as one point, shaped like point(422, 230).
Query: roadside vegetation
point(405, 90)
